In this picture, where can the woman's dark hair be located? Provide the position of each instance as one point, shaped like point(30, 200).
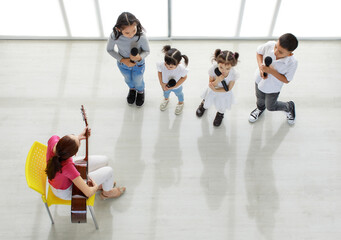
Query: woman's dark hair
point(288, 41)
point(173, 56)
point(127, 19)
point(226, 57)
point(66, 147)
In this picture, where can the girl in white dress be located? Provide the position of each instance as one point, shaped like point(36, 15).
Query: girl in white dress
point(222, 77)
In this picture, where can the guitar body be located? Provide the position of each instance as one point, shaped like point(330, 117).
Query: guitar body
point(78, 200)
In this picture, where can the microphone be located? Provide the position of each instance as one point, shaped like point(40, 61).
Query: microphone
point(134, 51)
point(171, 83)
point(218, 73)
point(268, 61)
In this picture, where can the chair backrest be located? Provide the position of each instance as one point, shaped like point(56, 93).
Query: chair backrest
point(35, 168)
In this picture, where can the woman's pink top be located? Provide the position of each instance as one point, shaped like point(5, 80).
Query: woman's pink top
point(63, 179)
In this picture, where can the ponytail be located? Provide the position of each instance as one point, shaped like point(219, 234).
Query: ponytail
point(186, 59)
point(53, 166)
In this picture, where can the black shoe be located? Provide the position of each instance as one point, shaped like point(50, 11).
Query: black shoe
point(131, 96)
point(218, 119)
point(201, 110)
point(139, 99)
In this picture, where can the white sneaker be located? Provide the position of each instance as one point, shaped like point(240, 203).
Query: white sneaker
point(164, 104)
point(178, 109)
point(254, 115)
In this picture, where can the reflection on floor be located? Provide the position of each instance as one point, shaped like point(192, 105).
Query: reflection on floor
point(185, 178)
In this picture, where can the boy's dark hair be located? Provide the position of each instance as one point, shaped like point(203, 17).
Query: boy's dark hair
point(288, 41)
point(173, 56)
point(226, 57)
point(127, 19)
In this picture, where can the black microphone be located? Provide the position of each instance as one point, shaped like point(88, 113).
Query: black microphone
point(171, 83)
point(268, 61)
point(218, 73)
point(134, 51)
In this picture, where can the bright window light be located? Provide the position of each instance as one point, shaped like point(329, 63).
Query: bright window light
point(257, 18)
point(82, 18)
point(214, 18)
point(31, 18)
point(306, 18)
point(153, 15)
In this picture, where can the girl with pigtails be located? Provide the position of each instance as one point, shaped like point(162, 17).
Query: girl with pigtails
point(172, 74)
point(222, 77)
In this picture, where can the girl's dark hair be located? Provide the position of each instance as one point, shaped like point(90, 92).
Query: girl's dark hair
point(173, 56)
point(127, 19)
point(226, 57)
point(66, 147)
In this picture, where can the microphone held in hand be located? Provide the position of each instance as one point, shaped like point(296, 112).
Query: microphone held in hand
point(268, 61)
point(171, 83)
point(217, 72)
point(134, 51)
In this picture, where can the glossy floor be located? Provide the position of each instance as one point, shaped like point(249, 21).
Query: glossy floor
point(185, 179)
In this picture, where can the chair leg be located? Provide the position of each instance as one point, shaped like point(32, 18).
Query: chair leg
point(48, 211)
point(93, 216)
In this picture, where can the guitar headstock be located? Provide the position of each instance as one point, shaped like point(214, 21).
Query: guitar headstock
point(84, 115)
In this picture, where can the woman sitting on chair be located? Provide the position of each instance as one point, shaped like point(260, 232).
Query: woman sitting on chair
point(62, 172)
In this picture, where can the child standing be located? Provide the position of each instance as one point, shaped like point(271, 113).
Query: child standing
point(222, 77)
point(280, 68)
point(172, 75)
point(133, 48)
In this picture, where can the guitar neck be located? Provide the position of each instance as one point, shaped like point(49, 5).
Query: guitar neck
point(86, 146)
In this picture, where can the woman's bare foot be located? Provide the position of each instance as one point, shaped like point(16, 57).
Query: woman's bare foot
point(113, 193)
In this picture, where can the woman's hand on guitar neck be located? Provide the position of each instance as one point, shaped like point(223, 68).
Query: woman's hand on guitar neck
point(82, 135)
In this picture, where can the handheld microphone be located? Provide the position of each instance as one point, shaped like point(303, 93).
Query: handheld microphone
point(218, 73)
point(171, 83)
point(134, 51)
point(268, 61)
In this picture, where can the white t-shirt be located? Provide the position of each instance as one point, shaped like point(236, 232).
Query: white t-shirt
point(232, 76)
point(286, 66)
point(177, 73)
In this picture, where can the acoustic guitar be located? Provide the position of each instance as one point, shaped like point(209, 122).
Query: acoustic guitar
point(78, 200)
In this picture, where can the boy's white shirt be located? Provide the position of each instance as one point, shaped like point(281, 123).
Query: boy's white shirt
point(286, 66)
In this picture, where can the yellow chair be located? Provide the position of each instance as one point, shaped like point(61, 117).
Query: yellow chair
point(36, 179)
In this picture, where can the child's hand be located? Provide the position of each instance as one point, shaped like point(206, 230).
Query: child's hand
point(126, 61)
point(164, 86)
point(136, 58)
point(211, 85)
point(264, 69)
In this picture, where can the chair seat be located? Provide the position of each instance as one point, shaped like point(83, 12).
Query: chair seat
point(52, 199)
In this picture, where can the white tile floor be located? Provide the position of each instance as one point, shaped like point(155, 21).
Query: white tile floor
point(185, 179)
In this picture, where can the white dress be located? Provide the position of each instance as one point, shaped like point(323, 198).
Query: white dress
point(221, 100)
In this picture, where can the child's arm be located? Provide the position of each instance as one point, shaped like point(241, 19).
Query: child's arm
point(274, 73)
point(162, 84)
point(221, 89)
point(178, 83)
point(260, 64)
